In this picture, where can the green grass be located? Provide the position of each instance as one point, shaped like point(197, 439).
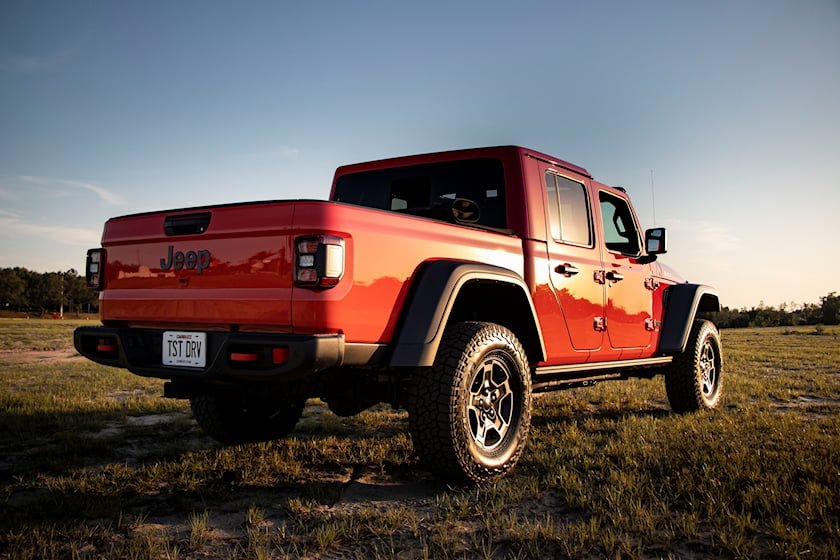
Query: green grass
point(38, 334)
point(93, 464)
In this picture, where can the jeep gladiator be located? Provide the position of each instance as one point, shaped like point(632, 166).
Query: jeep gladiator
point(455, 285)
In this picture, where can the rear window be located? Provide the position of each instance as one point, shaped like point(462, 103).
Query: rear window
point(460, 192)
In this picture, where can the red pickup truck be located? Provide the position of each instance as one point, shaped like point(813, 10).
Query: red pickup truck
point(455, 285)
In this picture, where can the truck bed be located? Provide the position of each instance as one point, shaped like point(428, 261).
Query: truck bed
point(236, 270)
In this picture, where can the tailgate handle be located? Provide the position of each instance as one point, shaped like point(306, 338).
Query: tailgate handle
point(186, 224)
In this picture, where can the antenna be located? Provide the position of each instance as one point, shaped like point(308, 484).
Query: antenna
point(652, 197)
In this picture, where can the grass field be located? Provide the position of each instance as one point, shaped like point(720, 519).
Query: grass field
point(93, 464)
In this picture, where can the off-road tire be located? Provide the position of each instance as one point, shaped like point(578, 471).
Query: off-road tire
point(232, 421)
point(470, 413)
point(694, 379)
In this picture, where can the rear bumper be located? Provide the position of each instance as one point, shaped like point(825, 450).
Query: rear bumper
point(139, 351)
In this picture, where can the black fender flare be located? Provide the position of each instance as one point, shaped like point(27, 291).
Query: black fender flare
point(683, 303)
point(430, 302)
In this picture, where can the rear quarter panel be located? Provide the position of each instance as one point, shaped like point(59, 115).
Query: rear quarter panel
point(384, 251)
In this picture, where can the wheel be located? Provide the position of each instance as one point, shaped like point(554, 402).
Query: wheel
point(231, 421)
point(471, 410)
point(694, 380)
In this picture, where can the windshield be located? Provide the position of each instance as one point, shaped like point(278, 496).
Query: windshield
point(461, 192)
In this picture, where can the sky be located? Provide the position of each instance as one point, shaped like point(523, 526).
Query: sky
point(110, 108)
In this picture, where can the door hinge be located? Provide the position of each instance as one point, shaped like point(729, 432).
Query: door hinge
point(600, 324)
point(651, 283)
point(600, 276)
point(652, 324)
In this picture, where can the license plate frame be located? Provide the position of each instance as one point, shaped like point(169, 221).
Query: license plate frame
point(184, 349)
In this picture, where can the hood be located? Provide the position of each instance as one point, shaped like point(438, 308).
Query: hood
point(667, 273)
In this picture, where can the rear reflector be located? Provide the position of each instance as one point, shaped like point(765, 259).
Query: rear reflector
point(243, 357)
point(106, 347)
point(279, 355)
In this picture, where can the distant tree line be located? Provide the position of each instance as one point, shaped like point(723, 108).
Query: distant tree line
point(827, 312)
point(24, 290)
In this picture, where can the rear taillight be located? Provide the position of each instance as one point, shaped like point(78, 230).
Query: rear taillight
point(319, 261)
point(93, 269)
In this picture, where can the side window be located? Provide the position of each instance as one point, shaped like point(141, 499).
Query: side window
point(553, 205)
point(464, 192)
point(620, 233)
point(568, 209)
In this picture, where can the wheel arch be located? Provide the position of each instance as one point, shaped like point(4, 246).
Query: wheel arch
point(684, 302)
point(454, 291)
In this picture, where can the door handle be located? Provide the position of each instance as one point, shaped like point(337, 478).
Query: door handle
point(567, 269)
point(614, 276)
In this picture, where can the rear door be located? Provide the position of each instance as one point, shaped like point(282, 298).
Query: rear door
point(573, 255)
point(629, 301)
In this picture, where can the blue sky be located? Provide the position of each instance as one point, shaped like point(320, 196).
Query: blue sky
point(109, 108)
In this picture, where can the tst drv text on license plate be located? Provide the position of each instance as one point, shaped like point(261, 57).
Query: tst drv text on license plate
point(185, 349)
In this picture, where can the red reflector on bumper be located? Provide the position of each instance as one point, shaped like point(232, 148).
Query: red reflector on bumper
point(106, 347)
point(279, 355)
point(243, 357)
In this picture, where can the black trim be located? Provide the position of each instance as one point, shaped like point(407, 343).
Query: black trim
point(186, 224)
point(604, 366)
point(361, 354)
point(430, 303)
point(558, 163)
point(217, 206)
point(551, 378)
point(139, 351)
point(626, 200)
point(683, 303)
point(590, 217)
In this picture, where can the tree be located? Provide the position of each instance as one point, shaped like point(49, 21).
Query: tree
point(731, 318)
point(76, 292)
point(12, 288)
point(44, 290)
point(830, 308)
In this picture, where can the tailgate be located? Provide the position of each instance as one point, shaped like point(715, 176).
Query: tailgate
point(218, 265)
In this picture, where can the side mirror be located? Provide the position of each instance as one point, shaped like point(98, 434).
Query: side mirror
point(655, 241)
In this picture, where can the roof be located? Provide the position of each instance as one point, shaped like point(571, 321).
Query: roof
point(489, 151)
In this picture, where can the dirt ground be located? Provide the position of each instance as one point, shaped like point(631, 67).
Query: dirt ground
point(354, 489)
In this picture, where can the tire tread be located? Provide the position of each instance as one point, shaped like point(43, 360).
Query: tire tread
point(684, 390)
point(435, 413)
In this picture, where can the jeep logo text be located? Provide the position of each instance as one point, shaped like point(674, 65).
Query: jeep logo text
point(191, 260)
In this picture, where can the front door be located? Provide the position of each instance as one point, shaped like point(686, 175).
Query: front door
point(629, 301)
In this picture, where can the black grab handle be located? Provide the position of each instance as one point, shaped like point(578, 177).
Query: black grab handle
point(186, 224)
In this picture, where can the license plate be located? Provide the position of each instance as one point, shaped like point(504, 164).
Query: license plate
point(184, 349)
